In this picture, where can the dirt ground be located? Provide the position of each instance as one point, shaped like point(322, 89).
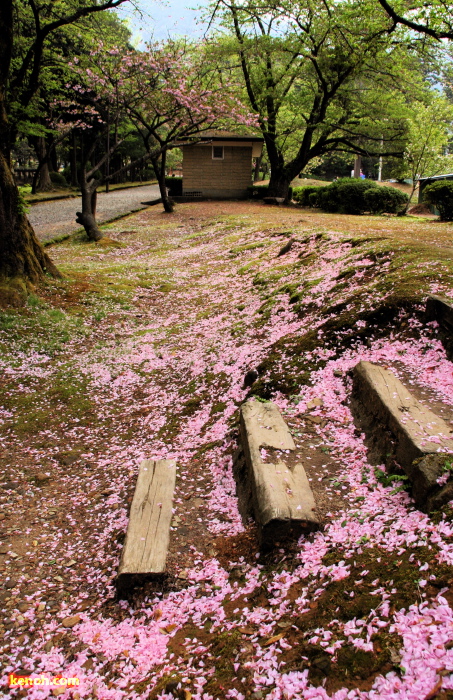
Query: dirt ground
point(140, 351)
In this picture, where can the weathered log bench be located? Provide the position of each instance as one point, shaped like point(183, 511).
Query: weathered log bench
point(148, 532)
point(280, 495)
point(441, 310)
point(401, 428)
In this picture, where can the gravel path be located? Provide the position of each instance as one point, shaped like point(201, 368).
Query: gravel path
point(55, 218)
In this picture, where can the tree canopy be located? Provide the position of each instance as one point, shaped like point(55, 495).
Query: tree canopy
point(322, 77)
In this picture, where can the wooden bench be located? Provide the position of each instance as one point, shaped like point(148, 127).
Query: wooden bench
point(148, 532)
point(282, 499)
point(398, 426)
point(441, 310)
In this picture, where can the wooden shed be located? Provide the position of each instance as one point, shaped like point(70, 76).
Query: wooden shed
point(219, 165)
point(424, 181)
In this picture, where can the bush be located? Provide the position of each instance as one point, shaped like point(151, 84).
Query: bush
point(58, 179)
point(346, 196)
point(174, 185)
point(302, 195)
point(354, 196)
point(385, 199)
point(440, 195)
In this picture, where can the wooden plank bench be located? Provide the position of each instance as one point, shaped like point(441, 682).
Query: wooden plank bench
point(282, 499)
point(148, 532)
point(398, 426)
point(441, 310)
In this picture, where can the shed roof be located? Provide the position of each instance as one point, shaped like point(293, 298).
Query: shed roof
point(221, 135)
point(449, 176)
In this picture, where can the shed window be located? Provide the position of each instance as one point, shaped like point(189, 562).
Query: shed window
point(217, 152)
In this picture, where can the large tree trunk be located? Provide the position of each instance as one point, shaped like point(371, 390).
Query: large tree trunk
point(87, 217)
point(279, 183)
point(21, 254)
point(256, 174)
point(42, 181)
point(159, 170)
point(73, 166)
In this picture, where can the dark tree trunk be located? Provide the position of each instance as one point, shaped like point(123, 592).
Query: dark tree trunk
point(73, 165)
point(256, 175)
point(21, 254)
point(279, 183)
point(159, 170)
point(42, 181)
point(87, 217)
point(53, 158)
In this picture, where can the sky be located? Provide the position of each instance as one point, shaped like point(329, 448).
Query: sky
point(163, 18)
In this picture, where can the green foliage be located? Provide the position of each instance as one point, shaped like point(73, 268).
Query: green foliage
point(440, 195)
point(390, 479)
point(22, 206)
point(302, 195)
point(328, 81)
point(58, 179)
point(354, 196)
point(448, 466)
point(175, 186)
point(385, 199)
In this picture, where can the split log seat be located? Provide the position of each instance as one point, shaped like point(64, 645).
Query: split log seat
point(401, 428)
point(282, 500)
point(441, 310)
point(148, 533)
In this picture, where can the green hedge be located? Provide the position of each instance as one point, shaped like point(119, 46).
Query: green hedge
point(353, 196)
point(440, 195)
point(302, 195)
point(385, 199)
point(58, 179)
point(174, 185)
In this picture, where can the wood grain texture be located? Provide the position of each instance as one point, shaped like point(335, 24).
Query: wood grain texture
point(395, 408)
point(282, 498)
point(440, 310)
point(148, 533)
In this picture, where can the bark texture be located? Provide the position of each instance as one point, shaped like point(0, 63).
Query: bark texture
point(21, 254)
point(87, 217)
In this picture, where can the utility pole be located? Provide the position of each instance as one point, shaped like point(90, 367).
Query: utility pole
point(379, 177)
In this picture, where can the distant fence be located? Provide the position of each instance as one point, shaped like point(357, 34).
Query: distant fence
point(24, 175)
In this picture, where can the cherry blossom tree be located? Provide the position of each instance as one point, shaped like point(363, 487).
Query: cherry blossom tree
point(170, 93)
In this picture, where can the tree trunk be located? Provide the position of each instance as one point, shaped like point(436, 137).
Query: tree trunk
point(159, 170)
point(87, 217)
point(21, 254)
point(73, 165)
point(43, 174)
point(53, 157)
point(279, 183)
point(256, 174)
